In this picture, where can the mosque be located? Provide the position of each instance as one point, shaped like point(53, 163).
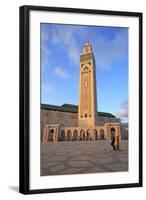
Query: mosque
point(83, 122)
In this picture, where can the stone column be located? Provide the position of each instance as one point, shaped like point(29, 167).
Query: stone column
point(99, 135)
point(93, 135)
point(77, 135)
point(116, 129)
point(119, 132)
point(85, 138)
point(65, 135)
point(107, 132)
point(45, 134)
point(72, 135)
point(56, 134)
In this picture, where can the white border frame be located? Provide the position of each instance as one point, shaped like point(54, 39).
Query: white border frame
point(47, 182)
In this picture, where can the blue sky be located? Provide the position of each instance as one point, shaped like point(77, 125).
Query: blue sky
point(61, 46)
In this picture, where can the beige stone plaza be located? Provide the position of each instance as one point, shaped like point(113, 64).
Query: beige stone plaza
point(83, 122)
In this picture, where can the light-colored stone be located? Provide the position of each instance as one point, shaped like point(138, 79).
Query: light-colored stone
point(70, 162)
point(86, 124)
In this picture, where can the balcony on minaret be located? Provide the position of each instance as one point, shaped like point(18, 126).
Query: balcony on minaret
point(87, 47)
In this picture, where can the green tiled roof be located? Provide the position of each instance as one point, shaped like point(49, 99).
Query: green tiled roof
point(70, 108)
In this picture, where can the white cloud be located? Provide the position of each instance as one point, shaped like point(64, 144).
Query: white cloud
point(45, 33)
point(45, 61)
point(48, 88)
point(109, 51)
point(66, 36)
point(123, 113)
point(61, 72)
point(106, 50)
point(45, 51)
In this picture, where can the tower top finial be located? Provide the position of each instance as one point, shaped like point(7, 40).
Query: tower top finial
point(87, 47)
point(87, 43)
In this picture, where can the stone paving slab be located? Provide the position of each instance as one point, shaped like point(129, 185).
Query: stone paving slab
point(82, 157)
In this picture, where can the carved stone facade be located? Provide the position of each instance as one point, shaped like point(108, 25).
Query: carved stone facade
point(56, 132)
point(83, 122)
point(87, 91)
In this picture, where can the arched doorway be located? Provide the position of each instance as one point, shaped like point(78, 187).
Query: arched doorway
point(59, 136)
point(75, 135)
point(88, 135)
point(69, 135)
point(102, 134)
point(82, 134)
point(62, 135)
point(95, 134)
point(112, 132)
point(51, 135)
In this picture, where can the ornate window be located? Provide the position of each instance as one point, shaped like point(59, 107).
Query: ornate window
point(86, 70)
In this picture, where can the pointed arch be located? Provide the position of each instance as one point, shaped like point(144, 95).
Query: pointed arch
point(102, 134)
point(95, 133)
point(75, 134)
point(69, 135)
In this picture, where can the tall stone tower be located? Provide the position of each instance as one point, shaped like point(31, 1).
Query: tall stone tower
point(87, 88)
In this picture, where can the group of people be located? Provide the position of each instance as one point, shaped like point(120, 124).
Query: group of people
point(115, 143)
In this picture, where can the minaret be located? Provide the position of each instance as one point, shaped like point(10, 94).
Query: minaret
point(87, 112)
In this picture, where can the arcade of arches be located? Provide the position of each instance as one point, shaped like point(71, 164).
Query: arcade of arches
point(56, 133)
point(86, 126)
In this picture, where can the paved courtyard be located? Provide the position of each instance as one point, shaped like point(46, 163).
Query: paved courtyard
point(78, 157)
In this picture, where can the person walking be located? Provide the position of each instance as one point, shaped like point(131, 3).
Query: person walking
point(113, 142)
point(117, 143)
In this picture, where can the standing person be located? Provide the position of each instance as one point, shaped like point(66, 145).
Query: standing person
point(113, 142)
point(117, 142)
